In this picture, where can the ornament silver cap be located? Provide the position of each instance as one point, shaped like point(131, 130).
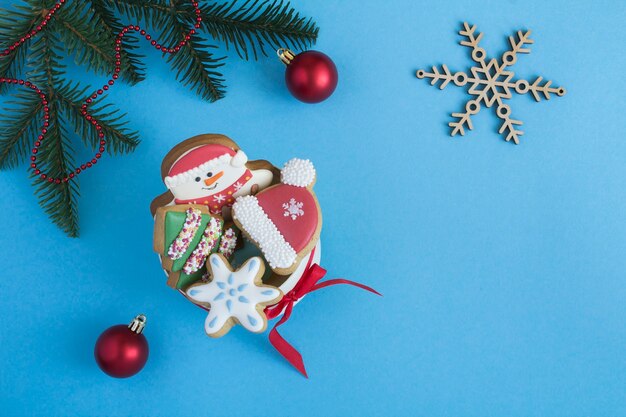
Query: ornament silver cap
point(138, 323)
point(285, 55)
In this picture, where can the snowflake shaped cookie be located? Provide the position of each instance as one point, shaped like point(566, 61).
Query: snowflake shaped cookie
point(234, 296)
point(490, 83)
point(293, 209)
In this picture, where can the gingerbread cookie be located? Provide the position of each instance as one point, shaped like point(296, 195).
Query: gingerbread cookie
point(213, 171)
point(184, 237)
point(284, 220)
point(234, 296)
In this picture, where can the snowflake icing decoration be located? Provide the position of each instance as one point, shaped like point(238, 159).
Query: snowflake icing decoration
point(491, 83)
point(234, 296)
point(293, 209)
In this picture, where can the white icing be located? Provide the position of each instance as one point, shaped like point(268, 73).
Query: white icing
point(293, 209)
point(277, 252)
point(234, 295)
point(199, 171)
point(298, 172)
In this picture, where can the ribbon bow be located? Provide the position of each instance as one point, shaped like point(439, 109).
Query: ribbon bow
point(307, 284)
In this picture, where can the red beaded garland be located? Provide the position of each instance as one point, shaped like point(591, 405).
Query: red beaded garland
point(95, 94)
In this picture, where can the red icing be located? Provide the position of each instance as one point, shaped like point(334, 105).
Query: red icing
point(297, 232)
point(199, 156)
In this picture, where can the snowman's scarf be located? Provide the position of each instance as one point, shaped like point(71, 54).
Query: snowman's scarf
point(225, 198)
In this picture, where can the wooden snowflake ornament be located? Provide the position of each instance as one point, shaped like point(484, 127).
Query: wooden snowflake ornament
point(490, 83)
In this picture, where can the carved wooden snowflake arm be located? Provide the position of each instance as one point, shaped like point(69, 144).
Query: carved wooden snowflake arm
point(459, 78)
point(478, 53)
point(464, 119)
point(517, 47)
point(508, 125)
point(524, 87)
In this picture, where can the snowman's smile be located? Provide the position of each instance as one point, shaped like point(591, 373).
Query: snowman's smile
point(213, 187)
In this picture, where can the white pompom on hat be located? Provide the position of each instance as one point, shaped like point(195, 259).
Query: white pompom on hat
point(298, 172)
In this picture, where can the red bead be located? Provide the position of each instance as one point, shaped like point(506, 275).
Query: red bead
point(50, 179)
point(57, 181)
point(34, 150)
point(37, 144)
point(153, 43)
point(148, 37)
point(83, 167)
point(105, 88)
point(37, 172)
point(98, 156)
point(311, 77)
point(111, 82)
point(115, 76)
point(142, 32)
point(103, 142)
point(33, 166)
point(94, 161)
point(88, 164)
point(43, 176)
point(33, 158)
point(78, 170)
point(120, 352)
point(101, 149)
point(71, 175)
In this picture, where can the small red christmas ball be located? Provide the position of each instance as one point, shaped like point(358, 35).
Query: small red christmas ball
point(311, 76)
point(122, 351)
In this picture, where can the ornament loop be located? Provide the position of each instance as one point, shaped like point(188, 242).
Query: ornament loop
point(138, 324)
point(286, 55)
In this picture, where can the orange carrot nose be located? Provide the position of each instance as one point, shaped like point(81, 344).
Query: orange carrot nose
point(214, 178)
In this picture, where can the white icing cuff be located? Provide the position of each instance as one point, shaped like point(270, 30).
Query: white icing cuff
point(252, 218)
point(298, 172)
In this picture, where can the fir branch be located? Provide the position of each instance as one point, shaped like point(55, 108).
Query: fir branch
point(13, 25)
point(85, 40)
point(133, 69)
point(119, 138)
point(257, 26)
point(59, 201)
point(21, 122)
point(195, 65)
point(148, 11)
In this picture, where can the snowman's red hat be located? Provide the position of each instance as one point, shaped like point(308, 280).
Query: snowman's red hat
point(283, 219)
point(200, 160)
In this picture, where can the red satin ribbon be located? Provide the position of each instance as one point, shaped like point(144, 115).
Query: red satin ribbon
point(307, 284)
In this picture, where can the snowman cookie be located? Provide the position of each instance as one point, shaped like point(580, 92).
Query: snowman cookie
point(211, 170)
point(284, 220)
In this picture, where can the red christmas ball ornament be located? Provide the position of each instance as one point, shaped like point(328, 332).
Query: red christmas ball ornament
point(122, 351)
point(311, 76)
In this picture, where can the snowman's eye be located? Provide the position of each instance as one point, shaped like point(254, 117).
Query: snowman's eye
point(198, 179)
point(210, 174)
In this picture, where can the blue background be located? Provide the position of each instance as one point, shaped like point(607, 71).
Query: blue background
point(502, 266)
